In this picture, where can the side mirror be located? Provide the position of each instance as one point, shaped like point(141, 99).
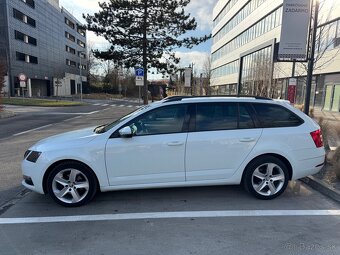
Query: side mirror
point(126, 132)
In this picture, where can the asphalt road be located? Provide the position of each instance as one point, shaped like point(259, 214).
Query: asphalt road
point(200, 220)
point(17, 134)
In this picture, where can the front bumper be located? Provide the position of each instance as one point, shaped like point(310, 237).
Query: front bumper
point(34, 171)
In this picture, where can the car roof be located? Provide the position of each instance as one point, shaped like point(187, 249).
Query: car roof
point(196, 99)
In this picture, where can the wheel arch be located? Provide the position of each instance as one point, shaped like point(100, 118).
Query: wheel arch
point(55, 164)
point(278, 156)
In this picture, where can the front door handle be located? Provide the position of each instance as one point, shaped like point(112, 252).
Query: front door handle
point(175, 143)
point(247, 139)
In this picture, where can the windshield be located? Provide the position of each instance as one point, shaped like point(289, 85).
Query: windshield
point(104, 128)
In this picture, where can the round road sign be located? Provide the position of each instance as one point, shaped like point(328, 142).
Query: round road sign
point(22, 77)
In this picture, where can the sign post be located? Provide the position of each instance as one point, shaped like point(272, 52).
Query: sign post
point(22, 80)
point(139, 72)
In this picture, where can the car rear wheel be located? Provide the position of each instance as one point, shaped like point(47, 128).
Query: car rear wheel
point(266, 177)
point(71, 184)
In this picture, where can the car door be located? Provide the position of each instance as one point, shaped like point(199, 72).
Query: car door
point(224, 134)
point(155, 153)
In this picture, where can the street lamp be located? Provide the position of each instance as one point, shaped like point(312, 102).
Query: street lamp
point(80, 73)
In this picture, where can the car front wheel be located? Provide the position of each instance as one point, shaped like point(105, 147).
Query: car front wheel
point(71, 184)
point(266, 177)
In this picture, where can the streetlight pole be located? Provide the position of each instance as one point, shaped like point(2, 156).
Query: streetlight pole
point(81, 79)
point(311, 59)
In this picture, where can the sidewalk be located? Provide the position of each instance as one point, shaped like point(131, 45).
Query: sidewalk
point(326, 181)
point(327, 115)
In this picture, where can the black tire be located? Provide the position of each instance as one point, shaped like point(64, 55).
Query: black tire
point(83, 173)
point(259, 164)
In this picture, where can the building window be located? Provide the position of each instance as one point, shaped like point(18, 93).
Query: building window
point(25, 38)
point(26, 58)
point(20, 56)
point(82, 54)
point(30, 3)
point(240, 16)
point(70, 50)
point(70, 37)
point(83, 67)
point(24, 18)
point(69, 23)
point(81, 31)
point(230, 68)
point(80, 43)
point(71, 63)
point(261, 27)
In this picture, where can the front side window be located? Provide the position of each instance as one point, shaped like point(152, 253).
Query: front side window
point(216, 116)
point(164, 120)
point(272, 116)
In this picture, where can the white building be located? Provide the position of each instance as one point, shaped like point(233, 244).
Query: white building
point(249, 30)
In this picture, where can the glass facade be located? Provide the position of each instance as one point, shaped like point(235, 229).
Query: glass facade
point(224, 11)
point(257, 73)
point(240, 16)
point(328, 36)
point(227, 69)
point(263, 26)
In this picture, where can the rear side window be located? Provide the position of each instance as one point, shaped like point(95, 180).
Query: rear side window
point(272, 116)
point(216, 116)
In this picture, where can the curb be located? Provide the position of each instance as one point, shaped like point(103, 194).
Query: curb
point(322, 187)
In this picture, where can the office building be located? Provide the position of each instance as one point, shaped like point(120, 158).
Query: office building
point(47, 44)
point(250, 31)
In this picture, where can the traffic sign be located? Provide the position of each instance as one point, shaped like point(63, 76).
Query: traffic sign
point(140, 81)
point(139, 72)
point(22, 77)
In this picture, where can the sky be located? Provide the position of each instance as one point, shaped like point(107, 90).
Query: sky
point(200, 9)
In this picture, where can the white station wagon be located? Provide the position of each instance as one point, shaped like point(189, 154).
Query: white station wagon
point(180, 141)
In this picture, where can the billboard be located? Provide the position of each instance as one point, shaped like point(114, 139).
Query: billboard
point(294, 30)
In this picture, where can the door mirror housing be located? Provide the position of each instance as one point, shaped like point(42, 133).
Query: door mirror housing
point(126, 132)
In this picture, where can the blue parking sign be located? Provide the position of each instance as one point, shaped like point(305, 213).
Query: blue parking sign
point(139, 71)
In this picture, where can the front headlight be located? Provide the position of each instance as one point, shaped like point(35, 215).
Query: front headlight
point(26, 154)
point(33, 156)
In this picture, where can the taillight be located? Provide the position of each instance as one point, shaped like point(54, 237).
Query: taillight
point(317, 138)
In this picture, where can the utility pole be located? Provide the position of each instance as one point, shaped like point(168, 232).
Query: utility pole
point(311, 59)
point(145, 45)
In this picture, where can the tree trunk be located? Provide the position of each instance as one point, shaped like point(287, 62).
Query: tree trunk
point(145, 90)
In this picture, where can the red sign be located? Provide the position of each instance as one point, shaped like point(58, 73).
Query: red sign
point(292, 94)
point(292, 83)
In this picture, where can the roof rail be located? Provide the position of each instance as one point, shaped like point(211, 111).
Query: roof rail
point(180, 98)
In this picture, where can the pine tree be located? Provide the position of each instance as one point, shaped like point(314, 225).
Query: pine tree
point(144, 32)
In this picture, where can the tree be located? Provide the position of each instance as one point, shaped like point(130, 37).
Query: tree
point(144, 31)
point(207, 74)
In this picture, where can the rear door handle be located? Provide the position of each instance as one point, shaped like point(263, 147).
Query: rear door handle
point(175, 143)
point(247, 139)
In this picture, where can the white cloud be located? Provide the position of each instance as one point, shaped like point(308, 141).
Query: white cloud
point(196, 57)
point(202, 10)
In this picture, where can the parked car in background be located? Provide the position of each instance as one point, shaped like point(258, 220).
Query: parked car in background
point(180, 141)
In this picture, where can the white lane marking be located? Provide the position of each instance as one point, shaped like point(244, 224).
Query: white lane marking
point(113, 105)
point(34, 129)
point(96, 104)
point(130, 106)
point(170, 215)
point(122, 105)
point(38, 128)
point(105, 104)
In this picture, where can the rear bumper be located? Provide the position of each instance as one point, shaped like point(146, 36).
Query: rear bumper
point(308, 167)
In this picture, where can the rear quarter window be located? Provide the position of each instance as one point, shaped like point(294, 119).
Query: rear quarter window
point(272, 116)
